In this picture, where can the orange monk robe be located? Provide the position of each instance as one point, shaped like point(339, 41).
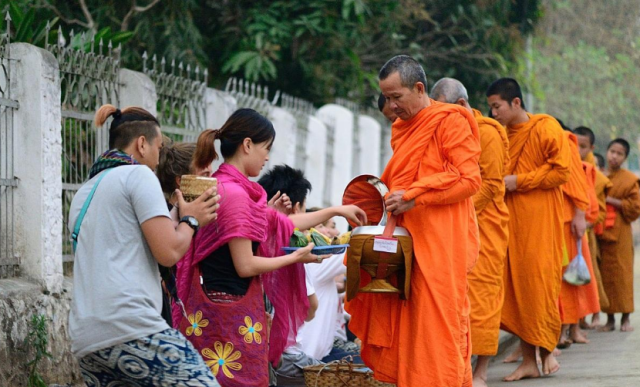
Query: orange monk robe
point(425, 341)
point(540, 157)
point(616, 244)
point(486, 292)
point(578, 301)
point(602, 187)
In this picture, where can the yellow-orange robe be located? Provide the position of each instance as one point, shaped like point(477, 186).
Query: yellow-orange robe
point(486, 292)
point(425, 341)
point(602, 187)
point(578, 301)
point(616, 244)
point(540, 157)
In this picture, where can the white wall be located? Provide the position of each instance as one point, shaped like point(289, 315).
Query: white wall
point(316, 156)
point(369, 141)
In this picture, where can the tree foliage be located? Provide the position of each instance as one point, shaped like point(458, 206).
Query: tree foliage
point(316, 49)
point(587, 66)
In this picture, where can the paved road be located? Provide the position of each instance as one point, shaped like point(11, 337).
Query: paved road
point(610, 360)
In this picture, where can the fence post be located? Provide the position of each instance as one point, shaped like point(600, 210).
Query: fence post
point(38, 166)
point(137, 89)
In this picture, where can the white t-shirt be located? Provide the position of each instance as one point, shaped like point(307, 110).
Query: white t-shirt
point(297, 348)
point(117, 295)
point(316, 336)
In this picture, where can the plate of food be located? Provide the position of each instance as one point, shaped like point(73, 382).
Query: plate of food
point(324, 245)
point(321, 250)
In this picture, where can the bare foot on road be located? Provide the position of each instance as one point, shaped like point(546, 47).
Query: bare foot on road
point(479, 382)
point(557, 352)
point(585, 325)
point(551, 365)
point(526, 370)
point(578, 336)
point(514, 356)
point(626, 327)
point(609, 327)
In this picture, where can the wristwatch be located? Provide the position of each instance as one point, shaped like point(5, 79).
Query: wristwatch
point(191, 222)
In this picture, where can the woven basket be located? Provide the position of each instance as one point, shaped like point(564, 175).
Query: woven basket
point(341, 374)
point(192, 186)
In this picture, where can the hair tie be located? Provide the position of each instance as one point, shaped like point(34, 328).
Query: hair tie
point(216, 133)
point(117, 114)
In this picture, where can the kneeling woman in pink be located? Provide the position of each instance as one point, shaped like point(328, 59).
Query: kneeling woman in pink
point(237, 259)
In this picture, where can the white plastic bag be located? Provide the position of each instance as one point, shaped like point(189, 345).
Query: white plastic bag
point(577, 272)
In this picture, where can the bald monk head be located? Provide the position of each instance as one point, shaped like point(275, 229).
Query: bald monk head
point(586, 140)
point(451, 90)
point(504, 97)
point(404, 85)
point(385, 108)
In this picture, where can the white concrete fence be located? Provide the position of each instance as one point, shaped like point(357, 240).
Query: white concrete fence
point(332, 145)
point(47, 143)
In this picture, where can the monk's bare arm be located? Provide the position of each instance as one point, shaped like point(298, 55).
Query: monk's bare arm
point(491, 163)
point(461, 149)
point(555, 171)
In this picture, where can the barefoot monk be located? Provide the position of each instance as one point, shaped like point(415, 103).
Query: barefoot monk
point(432, 177)
point(616, 243)
point(539, 166)
point(580, 203)
point(486, 292)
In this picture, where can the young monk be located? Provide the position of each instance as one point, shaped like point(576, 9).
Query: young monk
point(432, 177)
point(579, 207)
point(616, 243)
point(486, 292)
point(586, 145)
point(540, 159)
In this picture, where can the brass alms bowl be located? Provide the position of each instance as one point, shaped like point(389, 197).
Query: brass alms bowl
point(192, 186)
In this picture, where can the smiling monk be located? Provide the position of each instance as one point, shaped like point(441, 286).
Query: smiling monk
point(432, 177)
point(486, 291)
point(539, 166)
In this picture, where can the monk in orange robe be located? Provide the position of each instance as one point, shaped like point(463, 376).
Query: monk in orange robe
point(432, 177)
point(579, 203)
point(586, 145)
point(616, 243)
point(540, 159)
point(486, 291)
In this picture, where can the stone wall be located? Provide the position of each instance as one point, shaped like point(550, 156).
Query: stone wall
point(19, 301)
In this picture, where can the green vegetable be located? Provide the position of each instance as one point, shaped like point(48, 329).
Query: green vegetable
point(298, 239)
point(319, 239)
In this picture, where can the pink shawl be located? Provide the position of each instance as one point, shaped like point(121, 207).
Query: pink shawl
point(244, 213)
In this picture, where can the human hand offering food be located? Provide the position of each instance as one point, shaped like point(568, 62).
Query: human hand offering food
point(353, 213)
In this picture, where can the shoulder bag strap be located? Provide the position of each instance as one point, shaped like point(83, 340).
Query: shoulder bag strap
point(83, 211)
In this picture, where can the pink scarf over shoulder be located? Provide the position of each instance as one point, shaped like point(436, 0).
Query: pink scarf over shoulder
point(244, 213)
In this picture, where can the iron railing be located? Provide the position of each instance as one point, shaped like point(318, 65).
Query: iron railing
point(251, 95)
point(181, 91)
point(9, 257)
point(89, 77)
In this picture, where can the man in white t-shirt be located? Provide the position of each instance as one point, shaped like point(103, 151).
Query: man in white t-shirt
point(122, 227)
